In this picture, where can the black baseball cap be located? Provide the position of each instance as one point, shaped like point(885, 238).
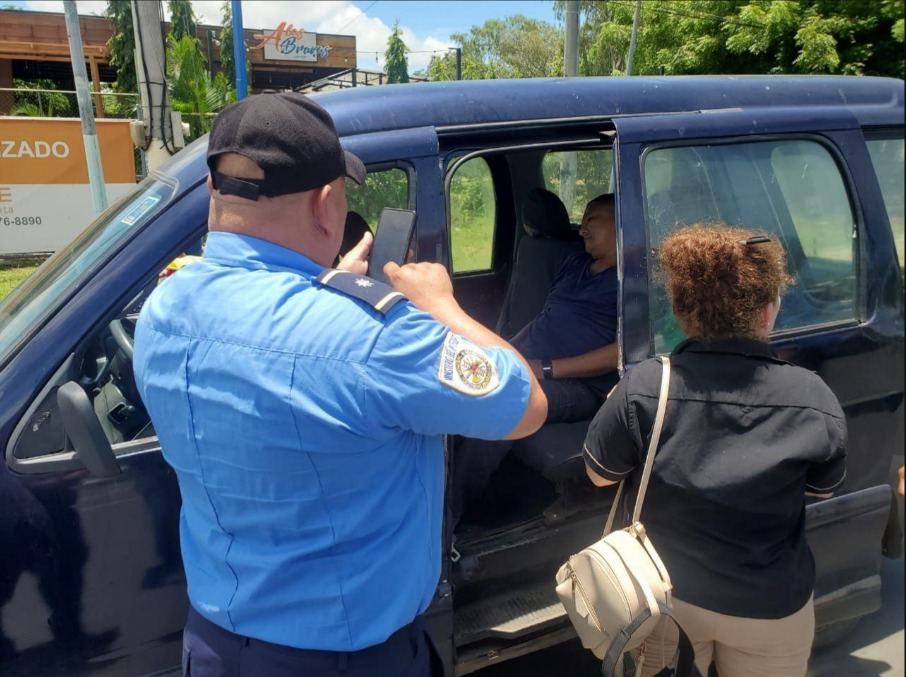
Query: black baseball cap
point(289, 136)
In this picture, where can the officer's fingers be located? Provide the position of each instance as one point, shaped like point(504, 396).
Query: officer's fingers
point(362, 248)
point(392, 272)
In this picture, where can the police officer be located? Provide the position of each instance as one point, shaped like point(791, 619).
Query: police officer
point(302, 409)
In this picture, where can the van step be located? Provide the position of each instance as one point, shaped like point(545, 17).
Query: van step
point(509, 615)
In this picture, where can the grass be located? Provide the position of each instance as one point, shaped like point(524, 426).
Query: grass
point(14, 271)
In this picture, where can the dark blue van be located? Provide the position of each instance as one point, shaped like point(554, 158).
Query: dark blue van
point(90, 574)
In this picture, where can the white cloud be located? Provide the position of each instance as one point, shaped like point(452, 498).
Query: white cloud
point(339, 17)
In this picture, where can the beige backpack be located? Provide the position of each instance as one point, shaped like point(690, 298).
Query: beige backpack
point(616, 589)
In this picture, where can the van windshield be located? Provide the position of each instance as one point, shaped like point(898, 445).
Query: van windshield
point(31, 303)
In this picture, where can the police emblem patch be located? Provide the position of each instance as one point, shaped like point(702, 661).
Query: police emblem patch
point(466, 368)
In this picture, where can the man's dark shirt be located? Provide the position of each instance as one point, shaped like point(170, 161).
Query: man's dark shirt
point(579, 315)
point(745, 436)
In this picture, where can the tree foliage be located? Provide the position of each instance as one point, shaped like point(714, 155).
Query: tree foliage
point(744, 36)
point(183, 21)
point(122, 45)
point(227, 60)
point(192, 91)
point(42, 104)
point(397, 63)
point(513, 47)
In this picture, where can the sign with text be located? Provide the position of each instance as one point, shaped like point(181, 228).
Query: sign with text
point(45, 197)
point(288, 43)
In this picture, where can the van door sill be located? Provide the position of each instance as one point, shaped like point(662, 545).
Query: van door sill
point(509, 615)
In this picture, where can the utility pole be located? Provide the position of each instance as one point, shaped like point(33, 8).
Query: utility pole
point(635, 32)
point(150, 68)
point(86, 112)
point(458, 63)
point(242, 88)
point(571, 46)
point(569, 160)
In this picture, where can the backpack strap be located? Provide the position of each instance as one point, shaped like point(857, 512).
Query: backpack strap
point(683, 660)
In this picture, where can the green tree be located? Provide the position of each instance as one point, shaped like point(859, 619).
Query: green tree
point(192, 91)
point(122, 44)
point(183, 21)
point(743, 36)
point(397, 64)
point(227, 60)
point(513, 47)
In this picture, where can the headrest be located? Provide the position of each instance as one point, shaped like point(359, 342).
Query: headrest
point(545, 216)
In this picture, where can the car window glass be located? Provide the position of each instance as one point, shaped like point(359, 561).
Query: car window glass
point(792, 189)
point(473, 209)
point(57, 277)
point(593, 177)
point(887, 157)
point(385, 188)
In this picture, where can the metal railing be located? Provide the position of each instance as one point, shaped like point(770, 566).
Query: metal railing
point(62, 103)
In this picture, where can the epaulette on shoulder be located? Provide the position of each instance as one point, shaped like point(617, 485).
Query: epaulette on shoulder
point(382, 297)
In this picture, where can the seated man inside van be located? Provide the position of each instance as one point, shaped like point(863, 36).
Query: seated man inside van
point(571, 346)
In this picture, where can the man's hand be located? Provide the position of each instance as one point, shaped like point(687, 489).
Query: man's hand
point(535, 366)
point(356, 259)
point(426, 285)
point(900, 489)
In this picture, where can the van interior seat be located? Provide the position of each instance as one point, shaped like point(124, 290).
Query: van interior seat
point(549, 238)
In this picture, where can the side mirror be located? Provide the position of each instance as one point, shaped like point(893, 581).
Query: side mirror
point(85, 432)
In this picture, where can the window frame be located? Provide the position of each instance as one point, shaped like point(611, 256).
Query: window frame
point(454, 157)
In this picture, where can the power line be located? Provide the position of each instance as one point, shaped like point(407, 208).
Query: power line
point(357, 16)
point(725, 17)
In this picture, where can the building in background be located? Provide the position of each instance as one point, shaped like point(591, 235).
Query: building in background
point(34, 45)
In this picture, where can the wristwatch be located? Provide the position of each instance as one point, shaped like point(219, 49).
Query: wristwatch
point(547, 369)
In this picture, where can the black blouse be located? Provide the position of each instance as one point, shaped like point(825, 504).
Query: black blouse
point(745, 436)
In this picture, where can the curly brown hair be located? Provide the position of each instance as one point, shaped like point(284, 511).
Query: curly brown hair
point(718, 283)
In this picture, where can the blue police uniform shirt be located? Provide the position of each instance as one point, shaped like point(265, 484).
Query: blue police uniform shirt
point(305, 428)
point(579, 315)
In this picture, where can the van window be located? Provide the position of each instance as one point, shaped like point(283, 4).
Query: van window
point(792, 189)
point(473, 209)
point(887, 157)
point(593, 176)
point(387, 188)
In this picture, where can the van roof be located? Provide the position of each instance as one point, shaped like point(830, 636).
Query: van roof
point(363, 110)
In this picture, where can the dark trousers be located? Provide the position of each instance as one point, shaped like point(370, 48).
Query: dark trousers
point(211, 651)
point(474, 461)
point(573, 399)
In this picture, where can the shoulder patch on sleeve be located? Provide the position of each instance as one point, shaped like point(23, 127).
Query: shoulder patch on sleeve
point(380, 296)
point(467, 368)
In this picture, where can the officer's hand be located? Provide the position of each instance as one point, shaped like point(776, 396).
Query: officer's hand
point(356, 259)
point(425, 284)
point(900, 489)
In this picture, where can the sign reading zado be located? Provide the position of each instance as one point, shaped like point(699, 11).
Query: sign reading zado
point(45, 198)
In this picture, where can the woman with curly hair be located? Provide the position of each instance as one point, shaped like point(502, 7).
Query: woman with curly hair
point(745, 438)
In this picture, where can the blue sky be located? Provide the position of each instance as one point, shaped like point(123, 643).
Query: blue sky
point(427, 26)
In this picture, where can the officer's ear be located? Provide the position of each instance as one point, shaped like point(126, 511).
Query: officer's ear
point(328, 206)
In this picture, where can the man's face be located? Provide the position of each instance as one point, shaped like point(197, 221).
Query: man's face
point(598, 231)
